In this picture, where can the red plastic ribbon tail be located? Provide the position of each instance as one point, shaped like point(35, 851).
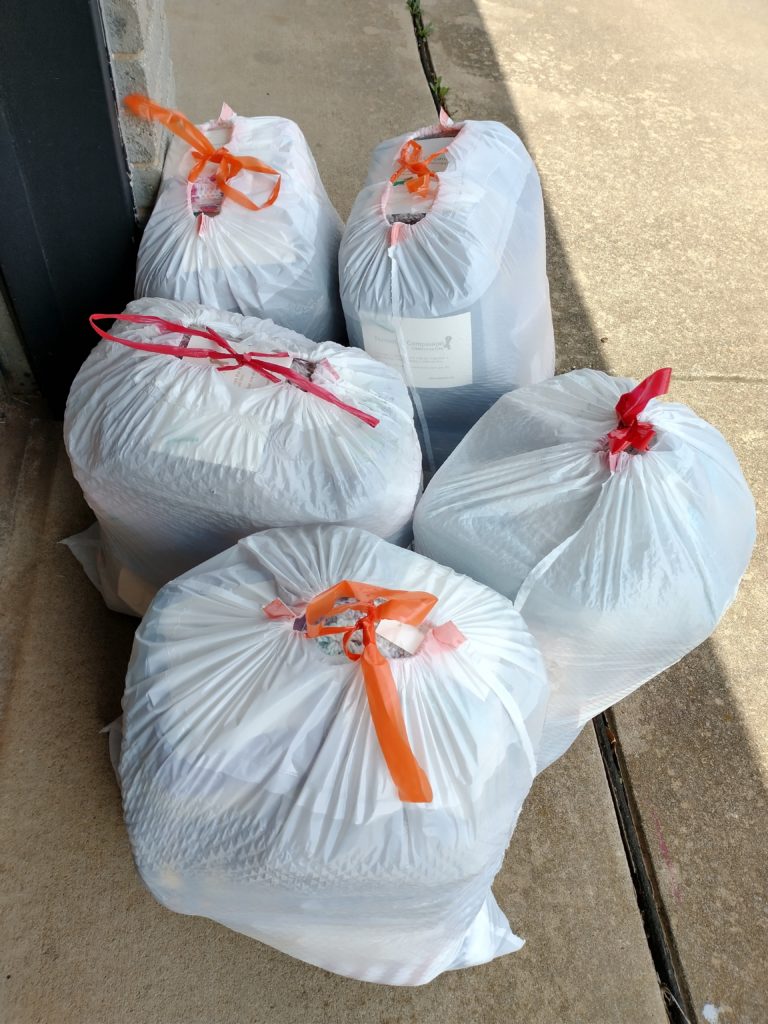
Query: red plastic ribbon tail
point(619, 439)
point(272, 371)
point(630, 433)
point(638, 436)
point(631, 404)
point(641, 435)
point(167, 325)
point(406, 772)
point(267, 368)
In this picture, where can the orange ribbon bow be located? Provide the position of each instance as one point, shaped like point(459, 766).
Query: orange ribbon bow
point(410, 159)
point(410, 607)
point(204, 152)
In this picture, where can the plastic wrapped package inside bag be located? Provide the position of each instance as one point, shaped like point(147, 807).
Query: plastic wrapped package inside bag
point(179, 458)
point(448, 282)
point(260, 782)
point(619, 524)
point(262, 242)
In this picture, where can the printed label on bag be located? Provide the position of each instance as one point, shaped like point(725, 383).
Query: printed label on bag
point(438, 349)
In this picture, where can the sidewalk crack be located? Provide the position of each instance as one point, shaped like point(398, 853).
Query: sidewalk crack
point(705, 378)
point(422, 30)
point(658, 931)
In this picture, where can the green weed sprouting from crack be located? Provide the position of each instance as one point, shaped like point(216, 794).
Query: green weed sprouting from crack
point(423, 31)
point(439, 91)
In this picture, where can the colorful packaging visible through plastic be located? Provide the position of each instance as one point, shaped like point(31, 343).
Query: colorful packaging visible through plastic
point(450, 285)
point(620, 560)
point(259, 243)
point(179, 460)
point(256, 785)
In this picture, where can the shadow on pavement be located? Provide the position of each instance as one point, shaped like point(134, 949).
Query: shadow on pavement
point(700, 679)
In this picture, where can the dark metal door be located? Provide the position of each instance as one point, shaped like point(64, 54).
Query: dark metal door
point(68, 234)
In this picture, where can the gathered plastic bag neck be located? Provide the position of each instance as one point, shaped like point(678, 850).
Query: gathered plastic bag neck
point(631, 433)
point(204, 152)
point(255, 361)
point(374, 604)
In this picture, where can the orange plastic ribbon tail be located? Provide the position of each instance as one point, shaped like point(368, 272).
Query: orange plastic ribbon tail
point(204, 152)
point(410, 159)
point(410, 607)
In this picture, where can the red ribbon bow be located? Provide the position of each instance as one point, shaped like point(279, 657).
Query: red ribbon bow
point(410, 607)
point(204, 152)
point(253, 360)
point(410, 159)
point(631, 433)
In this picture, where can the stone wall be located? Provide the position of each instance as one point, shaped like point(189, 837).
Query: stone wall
point(136, 33)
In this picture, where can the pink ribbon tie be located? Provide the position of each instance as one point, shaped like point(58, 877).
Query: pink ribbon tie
point(253, 360)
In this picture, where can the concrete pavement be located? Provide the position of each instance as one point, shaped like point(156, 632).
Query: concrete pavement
point(347, 73)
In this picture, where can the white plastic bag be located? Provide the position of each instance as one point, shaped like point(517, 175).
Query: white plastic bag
point(256, 788)
point(619, 563)
point(179, 460)
point(458, 300)
point(279, 261)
